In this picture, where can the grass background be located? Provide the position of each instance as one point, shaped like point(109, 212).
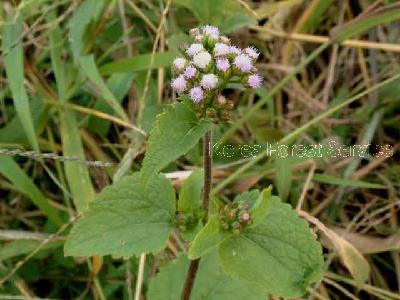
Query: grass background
point(85, 79)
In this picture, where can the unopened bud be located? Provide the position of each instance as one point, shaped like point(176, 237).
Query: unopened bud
point(194, 31)
point(245, 216)
point(224, 39)
point(221, 100)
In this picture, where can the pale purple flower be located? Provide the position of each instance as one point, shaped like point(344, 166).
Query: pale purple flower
point(234, 50)
point(252, 52)
point(179, 63)
point(223, 64)
point(221, 49)
point(179, 84)
point(211, 31)
point(196, 94)
point(190, 72)
point(194, 49)
point(243, 63)
point(209, 81)
point(254, 81)
point(202, 59)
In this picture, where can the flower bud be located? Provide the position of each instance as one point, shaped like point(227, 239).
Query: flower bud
point(221, 100)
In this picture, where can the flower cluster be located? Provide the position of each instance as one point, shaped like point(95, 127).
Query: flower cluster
point(235, 217)
point(209, 65)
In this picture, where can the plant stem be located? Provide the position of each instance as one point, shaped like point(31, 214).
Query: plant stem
point(207, 160)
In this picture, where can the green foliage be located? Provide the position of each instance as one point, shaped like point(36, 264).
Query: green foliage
point(14, 66)
point(175, 132)
point(126, 219)
point(211, 282)
point(210, 236)
point(281, 253)
point(138, 63)
point(363, 23)
point(87, 12)
point(89, 68)
point(190, 193)
point(11, 170)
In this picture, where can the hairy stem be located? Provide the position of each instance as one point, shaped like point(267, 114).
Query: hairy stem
point(207, 159)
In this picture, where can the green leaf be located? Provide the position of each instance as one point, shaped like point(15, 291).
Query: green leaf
point(139, 63)
point(284, 174)
point(281, 254)
point(249, 196)
point(366, 21)
point(190, 193)
point(87, 12)
point(77, 174)
point(175, 132)
point(211, 282)
point(345, 182)
point(119, 85)
point(207, 11)
point(125, 219)
point(208, 237)
point(24, 184)
point(88, 66)
point(235, 22)
point(24, 247)
point(14, 66)
point(260, 208)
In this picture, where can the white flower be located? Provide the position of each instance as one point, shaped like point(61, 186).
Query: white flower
point(179, 84)
point(211, 31)
point(221, 49)
point(179, 63)
point(209, 81)
point(243, 63)
point(234, 50)
point(202, 59)
point(194, 49)
point(252, 52)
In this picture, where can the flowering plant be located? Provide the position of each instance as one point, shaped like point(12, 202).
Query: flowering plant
point(253, 243)
point(209, 65)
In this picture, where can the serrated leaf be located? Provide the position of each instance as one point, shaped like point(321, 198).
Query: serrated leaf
point(281, 254)
point(249, 196)
point(190, 193)
point(211, 282)
point(260, 207)
point(125, 219)
point(209, 236)
point(175, 132)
